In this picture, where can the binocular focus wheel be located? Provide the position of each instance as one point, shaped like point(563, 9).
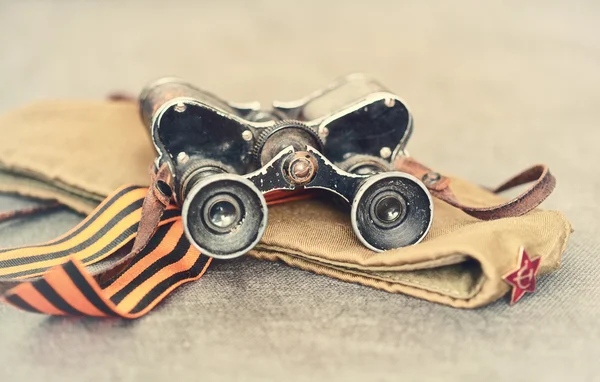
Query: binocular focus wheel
point(224, 216)
point(391, 210)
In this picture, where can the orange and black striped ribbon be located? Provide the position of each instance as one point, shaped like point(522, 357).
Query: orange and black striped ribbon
point(53, 278)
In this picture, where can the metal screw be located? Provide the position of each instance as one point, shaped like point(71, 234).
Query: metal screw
point(385, 152)
point(324, 131)
point(300, 168)
point(182, 158)
point(390, 102)
point(180, 107)
point(247, 135)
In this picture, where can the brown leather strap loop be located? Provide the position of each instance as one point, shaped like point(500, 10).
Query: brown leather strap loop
point(537, 173)
point(439, 186)
point(156, 201)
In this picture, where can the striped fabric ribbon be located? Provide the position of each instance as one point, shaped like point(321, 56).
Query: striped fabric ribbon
point(55, 278)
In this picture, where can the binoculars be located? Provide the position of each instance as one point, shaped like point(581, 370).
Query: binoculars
point(225, 156)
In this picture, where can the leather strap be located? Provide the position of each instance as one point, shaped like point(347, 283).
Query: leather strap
point(121, 97)
point(156, 201)
point(9, 215)
point(439, 186)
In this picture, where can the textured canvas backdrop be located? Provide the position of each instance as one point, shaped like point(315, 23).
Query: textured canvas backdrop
point(494, 87)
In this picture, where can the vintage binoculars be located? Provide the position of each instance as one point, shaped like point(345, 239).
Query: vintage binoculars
point(225, 156)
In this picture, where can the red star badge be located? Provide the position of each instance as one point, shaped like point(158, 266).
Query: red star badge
point(523, 278)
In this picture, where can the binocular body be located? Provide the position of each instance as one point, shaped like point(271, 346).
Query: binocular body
point(225, 156)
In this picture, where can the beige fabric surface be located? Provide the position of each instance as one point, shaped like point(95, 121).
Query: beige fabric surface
point(61, 142)
point(494, 86)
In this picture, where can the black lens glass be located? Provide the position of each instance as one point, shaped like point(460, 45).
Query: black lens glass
point(388, 209)
point(223, 214)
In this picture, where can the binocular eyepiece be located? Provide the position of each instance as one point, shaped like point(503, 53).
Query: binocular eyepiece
point(224, 215)
point(391, 210)
point(225, 157)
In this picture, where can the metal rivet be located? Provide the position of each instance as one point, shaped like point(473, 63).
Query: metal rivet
point(180, 107)
point(431, 178)
point(385, 152)
point(182, 158)
point(390, 102)
point(323, 131)
point(247, 135)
